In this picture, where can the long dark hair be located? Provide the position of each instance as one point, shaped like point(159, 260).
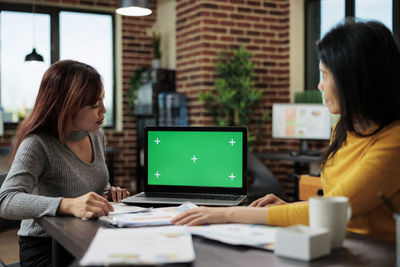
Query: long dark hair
point(364, 60)
point(66, 87)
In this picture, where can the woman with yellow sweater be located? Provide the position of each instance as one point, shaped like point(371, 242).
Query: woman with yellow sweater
point(360, 67)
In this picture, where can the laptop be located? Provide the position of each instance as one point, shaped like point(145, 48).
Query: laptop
point(202, 165)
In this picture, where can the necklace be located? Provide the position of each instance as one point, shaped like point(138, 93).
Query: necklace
point(77, 135)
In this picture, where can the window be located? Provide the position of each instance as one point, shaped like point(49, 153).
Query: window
point(57, 34)
point(19, 80)
point(332, 12)
point(380, 10)
point(95, 49)
point(322, 15)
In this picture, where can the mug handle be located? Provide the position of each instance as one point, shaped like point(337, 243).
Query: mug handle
point(349, 211)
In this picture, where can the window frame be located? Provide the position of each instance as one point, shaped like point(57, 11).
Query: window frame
point(311, 69)
point(54, 12)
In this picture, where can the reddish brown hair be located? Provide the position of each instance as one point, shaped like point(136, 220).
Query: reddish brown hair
point(66, 87)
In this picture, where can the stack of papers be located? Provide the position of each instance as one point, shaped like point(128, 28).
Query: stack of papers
point(143, 216)
point(121, 208)
point(254, 235)
point(152, 245)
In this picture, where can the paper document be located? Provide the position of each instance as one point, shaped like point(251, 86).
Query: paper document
point(254, 235)
point(150, 245)
point(121, 208)
point(149, 217)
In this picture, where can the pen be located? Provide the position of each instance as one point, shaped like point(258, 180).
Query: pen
point(387, 202)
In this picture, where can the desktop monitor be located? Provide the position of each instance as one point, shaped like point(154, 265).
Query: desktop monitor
point(301, 121)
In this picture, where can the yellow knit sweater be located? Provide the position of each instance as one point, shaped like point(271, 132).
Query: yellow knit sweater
point(362, 167)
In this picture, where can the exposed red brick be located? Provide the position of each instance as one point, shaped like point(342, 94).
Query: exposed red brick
point(226, 23)
point(244, 9)
point(233, 31)
point(211, 6)
point(224, 7)
point(237, 1)
point(271, 5)
point(253, 3)
point(244, 25)
point(237, 16)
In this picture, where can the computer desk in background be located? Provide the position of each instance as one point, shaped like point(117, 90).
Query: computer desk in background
point(72, 236)
point(286, 156)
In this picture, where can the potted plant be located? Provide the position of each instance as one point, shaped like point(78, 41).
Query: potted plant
point(309, 96)
point(235, 99)
point(135, 82)
point(155, 42)
point(155, 38)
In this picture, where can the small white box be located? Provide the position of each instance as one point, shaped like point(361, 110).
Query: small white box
point(302, 242)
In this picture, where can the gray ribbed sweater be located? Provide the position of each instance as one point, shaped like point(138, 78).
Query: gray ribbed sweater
point(43, 172)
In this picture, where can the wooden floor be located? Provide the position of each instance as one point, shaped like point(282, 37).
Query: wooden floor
point(9, 248)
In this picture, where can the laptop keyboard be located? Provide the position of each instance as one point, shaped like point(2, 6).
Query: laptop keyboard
point(193, 196)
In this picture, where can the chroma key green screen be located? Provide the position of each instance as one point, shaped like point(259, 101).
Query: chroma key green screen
point(184, 158)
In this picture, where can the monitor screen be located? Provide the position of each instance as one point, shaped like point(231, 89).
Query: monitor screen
point(200, 157)
point(301, 121)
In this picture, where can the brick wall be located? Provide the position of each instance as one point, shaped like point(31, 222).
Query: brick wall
point(206, 27)
point(136, 52)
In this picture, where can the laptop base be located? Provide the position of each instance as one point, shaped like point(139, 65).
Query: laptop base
point(142, 200)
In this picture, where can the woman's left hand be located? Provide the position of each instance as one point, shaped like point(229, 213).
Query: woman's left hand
point(267, 201)
point(201, 215)
point(116, 193)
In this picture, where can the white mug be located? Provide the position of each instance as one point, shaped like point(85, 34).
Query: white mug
point(397, 217)
point(332, 213)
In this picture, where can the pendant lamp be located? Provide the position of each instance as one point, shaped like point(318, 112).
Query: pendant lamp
point(135, 8)
point(33, 56)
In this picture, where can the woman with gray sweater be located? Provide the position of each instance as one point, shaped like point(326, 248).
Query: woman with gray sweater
point(58, 161)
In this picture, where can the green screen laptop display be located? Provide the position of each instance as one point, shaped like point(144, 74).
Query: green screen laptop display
point(195, 158)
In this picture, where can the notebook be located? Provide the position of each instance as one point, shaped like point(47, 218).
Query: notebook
point(202, 165)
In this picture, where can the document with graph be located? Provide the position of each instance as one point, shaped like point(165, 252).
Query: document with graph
point(254, 235)
point(139, 246)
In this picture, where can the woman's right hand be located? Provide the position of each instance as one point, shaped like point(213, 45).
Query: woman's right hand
point(90, 205)
point(267, 201)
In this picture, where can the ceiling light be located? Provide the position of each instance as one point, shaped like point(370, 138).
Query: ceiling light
point(34, 56)
point(135, 8)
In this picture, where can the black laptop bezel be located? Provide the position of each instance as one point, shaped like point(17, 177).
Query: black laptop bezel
point(197, 189)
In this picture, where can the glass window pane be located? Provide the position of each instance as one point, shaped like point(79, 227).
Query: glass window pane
point(332, 12)
point(19, 33)
point(380, 10)
point(88, 38)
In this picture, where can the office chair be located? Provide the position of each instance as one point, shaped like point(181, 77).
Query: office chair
point(264, 182)
point(308, 186)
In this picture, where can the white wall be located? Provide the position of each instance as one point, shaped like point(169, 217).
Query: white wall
point(166, 21)
point(296, 47)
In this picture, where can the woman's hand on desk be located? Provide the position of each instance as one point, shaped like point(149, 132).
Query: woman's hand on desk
point(90, 205)
point(201, 215)
point(116, 193)
point(205, 215)
point(267, 201)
